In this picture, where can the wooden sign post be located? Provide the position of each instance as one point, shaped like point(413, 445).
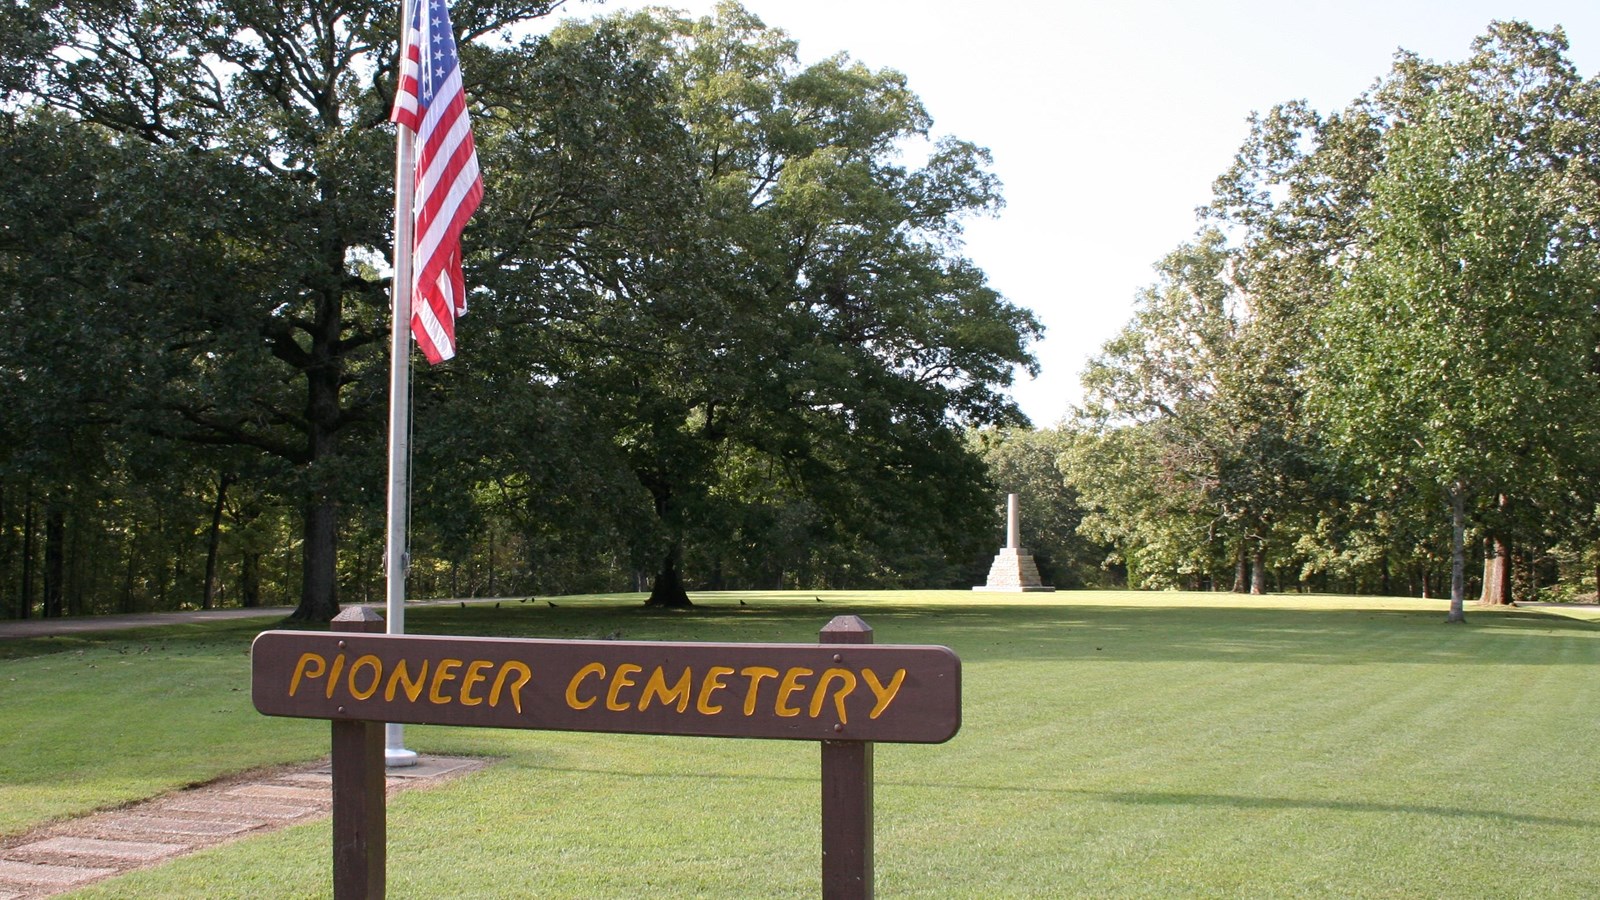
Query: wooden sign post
point(360, 835)
point(844, 691)
point(846, 794)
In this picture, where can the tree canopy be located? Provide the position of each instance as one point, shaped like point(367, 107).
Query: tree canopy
point(1398, 317)
point(722, 330)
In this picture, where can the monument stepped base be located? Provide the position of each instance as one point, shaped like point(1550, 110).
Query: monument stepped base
point(1014, 571)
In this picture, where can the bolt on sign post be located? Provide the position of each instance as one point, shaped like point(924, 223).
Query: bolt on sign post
point(845, 692)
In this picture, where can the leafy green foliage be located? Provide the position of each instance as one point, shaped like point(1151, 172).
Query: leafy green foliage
point(1469, 321)
point(769, 335)
point(720, 329)
point(1025, 462)
point(1191, 456)
point(1400, 321)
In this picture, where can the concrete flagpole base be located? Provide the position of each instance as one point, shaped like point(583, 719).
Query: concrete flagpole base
point(395, 754)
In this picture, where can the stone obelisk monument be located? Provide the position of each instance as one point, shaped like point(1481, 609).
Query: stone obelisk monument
point(1013, 569)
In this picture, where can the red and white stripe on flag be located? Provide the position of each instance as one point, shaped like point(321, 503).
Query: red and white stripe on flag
point(430, 101)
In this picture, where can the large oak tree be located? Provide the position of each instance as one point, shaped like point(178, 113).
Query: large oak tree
point(270, 121)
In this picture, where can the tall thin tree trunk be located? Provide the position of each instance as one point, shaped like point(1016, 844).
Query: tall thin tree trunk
point(72, 580)
point(127, 581)
point(1458, 553)
point(55, 559)
point(27, 559)
point(1597, 577)
point(1241, 570)
point(208, 593)
point(250, 580)
point(1258, 569)
point(5, 551)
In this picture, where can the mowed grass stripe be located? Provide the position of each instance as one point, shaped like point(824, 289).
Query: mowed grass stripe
point(1114, 745)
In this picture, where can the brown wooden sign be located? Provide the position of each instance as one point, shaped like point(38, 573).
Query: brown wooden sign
point(858, 692)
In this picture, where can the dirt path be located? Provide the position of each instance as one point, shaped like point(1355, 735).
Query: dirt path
point(70, 854)
point(18, 628)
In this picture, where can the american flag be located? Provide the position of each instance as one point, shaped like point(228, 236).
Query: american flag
point(431, 103)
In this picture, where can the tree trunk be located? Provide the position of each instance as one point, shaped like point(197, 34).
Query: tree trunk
point(668, 592)
point(72, 580)
point(319, 600)
point(1458, 553)
point(250, 580)
point(26, 607)
point(1241, 570)
point(1496, 572)
point(1258, 569)
point(318, 582)
point(55, 559)
point(319, 552)
point(208, 592)
point(6, 552)
point(127, 581)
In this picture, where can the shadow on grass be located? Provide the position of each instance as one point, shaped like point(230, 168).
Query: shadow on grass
point(989, 631)
point(195, 637)
point(1132, 798)
point(981, 631)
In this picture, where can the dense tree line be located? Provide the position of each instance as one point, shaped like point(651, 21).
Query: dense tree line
point(1380, 357)
point(721, 330)
point(722, 333)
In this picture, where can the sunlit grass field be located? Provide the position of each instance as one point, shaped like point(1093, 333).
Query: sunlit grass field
point(1113, 744)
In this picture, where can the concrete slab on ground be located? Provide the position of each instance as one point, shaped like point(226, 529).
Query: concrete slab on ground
point(67, 855)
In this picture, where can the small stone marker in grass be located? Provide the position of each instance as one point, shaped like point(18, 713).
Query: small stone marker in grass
point(844, 691)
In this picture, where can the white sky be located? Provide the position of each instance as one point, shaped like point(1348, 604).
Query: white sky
point(1109, 120)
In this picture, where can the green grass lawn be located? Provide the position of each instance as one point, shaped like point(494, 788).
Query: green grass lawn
point(1113, 744)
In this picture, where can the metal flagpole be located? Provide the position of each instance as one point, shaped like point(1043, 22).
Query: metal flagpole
point(396, 557)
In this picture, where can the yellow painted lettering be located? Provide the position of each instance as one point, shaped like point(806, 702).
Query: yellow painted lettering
point(594, 668)
point(473, 676)
point(333, 677)
point(885, 695)
point(377, 676)
point(755, 674)
point(441, 675)
point(506, 668)
point(657, 687)
point(711, 685)
point(622, 678)
point(847, 679)
point(791, 684)
point(400, 677)
point(303, 667)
